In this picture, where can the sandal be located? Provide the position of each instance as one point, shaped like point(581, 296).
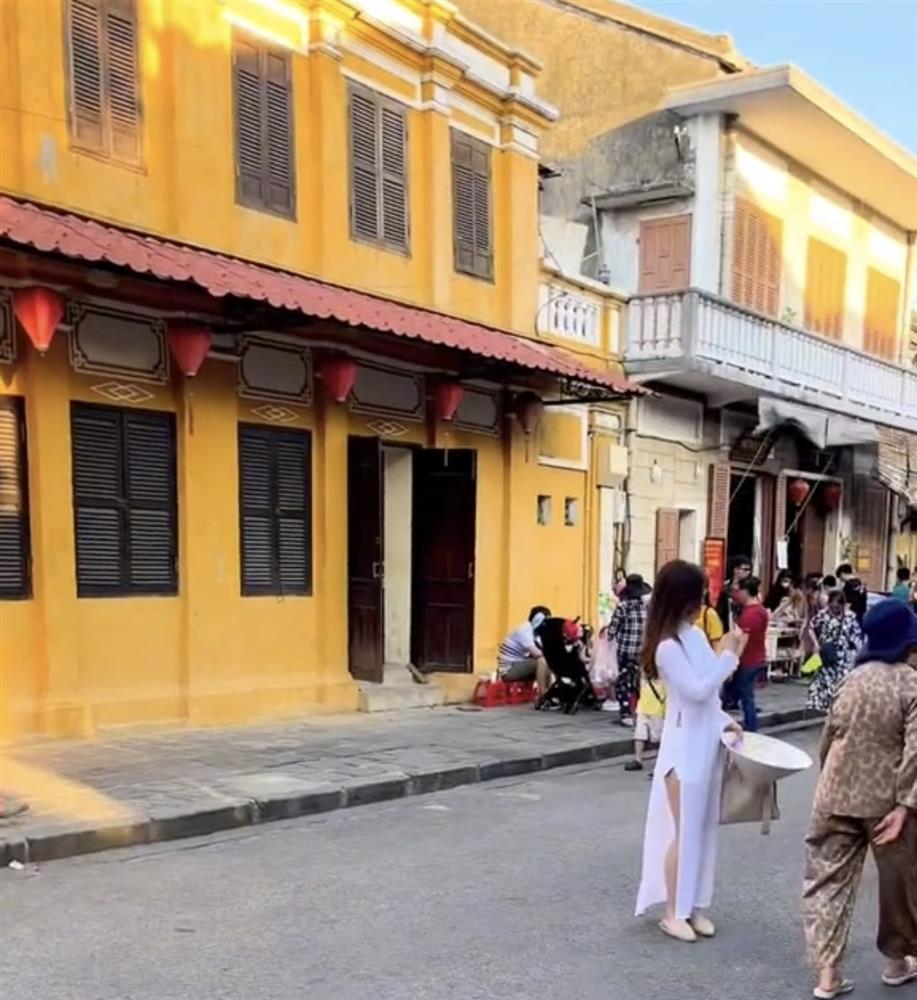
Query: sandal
point(841, 990)
point(908, 976)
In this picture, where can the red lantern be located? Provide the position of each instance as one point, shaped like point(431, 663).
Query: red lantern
point(39, 311)
point(189, 344)
point(528, 408)
point(831, 496)
point(798, 491)
point(447, 396)
point(339, 373)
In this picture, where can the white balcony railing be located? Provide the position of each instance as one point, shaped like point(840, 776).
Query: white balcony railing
point(697, 330)
point(579, 310)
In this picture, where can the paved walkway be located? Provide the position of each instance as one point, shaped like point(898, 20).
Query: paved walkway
point(143, 788)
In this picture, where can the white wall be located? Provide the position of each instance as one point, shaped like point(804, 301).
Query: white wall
point(621, 227)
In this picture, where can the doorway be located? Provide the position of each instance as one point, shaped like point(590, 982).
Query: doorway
point(365, 565)
point(443, 545)
point(806, 540)
point(742, 509)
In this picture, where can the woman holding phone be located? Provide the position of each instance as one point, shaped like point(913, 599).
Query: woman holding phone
point(679, 850)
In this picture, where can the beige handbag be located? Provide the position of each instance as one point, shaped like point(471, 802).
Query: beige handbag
point(746, 801)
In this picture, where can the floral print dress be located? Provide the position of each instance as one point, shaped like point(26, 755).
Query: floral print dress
point(844, 633)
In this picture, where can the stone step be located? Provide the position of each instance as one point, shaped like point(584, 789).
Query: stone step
point(398, 691)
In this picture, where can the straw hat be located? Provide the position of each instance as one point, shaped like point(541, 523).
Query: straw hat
point(763, 759)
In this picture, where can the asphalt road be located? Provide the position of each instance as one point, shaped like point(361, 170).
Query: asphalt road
point(514, 889)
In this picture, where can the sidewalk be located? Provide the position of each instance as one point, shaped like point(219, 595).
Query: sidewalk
point(183, 782)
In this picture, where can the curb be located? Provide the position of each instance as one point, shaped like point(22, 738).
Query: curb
point(53, 843)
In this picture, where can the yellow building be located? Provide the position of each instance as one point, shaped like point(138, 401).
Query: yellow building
point(329, 208)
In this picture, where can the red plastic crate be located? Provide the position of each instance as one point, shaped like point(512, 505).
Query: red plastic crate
point(491, 694)
point(521, 692)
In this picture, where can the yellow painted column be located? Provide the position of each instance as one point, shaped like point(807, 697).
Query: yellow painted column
point(516, 233)
point(327, 157)
point(330, 528)
point(215, 687)
point(432, 228)
point(519, 519)
point(63, 708)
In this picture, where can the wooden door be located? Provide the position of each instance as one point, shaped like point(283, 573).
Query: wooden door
point(757, 257)
point(813, 541)
point(826, 273)
point(665, 254)
point(442, 615)
point(365, 564)
point(870, 532)
point(666, 536)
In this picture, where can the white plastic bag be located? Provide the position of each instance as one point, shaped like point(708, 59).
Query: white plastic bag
point(604, 666)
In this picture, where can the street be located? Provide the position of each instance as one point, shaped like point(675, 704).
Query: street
point(514, 889)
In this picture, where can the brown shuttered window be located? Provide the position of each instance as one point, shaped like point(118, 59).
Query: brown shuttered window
point(14, 509)
point(378, 170)
point(880, 326)
point(666, 536)
point(275, 510)
point(665, 254)
point(124, 501)
point(756, 258)
point(263, 90)
point(826, 273)
point(472, 231)
point(104, 77)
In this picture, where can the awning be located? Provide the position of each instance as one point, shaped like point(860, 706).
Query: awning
point(896, 467)
point(823, 429)
point(25, 224)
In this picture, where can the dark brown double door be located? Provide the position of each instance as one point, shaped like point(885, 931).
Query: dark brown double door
point(442, 569)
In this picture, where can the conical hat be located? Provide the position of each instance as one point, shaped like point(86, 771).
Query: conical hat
point(763, 758)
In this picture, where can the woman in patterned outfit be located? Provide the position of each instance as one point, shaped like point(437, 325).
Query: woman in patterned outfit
point(626, 628)
point(866, 801)
point(836, 627)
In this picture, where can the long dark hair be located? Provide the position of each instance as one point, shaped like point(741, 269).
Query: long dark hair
point(679, 588)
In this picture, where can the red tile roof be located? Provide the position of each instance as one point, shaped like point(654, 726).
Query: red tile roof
point(26, 224)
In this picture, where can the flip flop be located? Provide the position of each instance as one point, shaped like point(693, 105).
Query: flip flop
point(841, 990)
point(908, 977)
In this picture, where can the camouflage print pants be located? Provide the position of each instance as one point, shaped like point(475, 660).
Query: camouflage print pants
point(836, 847)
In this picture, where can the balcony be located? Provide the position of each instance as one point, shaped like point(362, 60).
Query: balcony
point(709, 345)
point(579, 313)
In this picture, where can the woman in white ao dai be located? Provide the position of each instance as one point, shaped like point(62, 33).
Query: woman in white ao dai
point(679, 848)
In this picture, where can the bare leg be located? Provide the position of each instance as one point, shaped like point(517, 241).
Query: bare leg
point(639, 748)
point(673, 792)
point(542, 675)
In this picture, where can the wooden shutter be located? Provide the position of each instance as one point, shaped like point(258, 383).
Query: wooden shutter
point(718, 501)
point(278, 115)
point(149, 465)
point(757, 247)
point(291, 450)
point(86, 107)
point(104, 77)
point(124, 501)
point(665, 254)
point(666, 536)
point(826, 271)
point(121, 79)
point(14, 518)
point(99, 515)
point(471, 206)
point(275, 510)
point(880, 324)
point(265, 167)
point(256, 510)
point(378, 169)
point(393, 160)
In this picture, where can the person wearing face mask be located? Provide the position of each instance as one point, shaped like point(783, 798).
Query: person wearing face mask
point(521, 657)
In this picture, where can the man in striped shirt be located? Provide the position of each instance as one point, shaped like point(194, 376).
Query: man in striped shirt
point(521, 657)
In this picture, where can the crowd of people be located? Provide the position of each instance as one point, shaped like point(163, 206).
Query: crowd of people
point(681, 663)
